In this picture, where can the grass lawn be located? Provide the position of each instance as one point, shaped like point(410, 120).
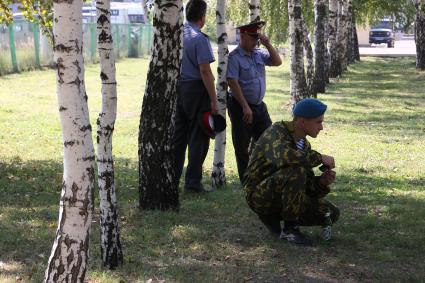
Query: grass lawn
point(374, 127)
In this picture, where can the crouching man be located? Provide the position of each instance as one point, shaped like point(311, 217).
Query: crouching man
point(280, 183)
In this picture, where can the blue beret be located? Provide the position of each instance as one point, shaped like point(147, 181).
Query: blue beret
point(309, 108)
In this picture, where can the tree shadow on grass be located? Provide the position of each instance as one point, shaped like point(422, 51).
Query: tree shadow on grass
point(215, 236)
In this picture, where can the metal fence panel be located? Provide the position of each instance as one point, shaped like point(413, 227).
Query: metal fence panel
point(22, 47)
point(5, 51)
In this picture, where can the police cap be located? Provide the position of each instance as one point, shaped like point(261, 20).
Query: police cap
point(253, 28)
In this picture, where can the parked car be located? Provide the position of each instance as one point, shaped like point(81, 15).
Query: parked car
point(382, 33)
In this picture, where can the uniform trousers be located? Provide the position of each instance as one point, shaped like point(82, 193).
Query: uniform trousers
point(243, 134)
point(192, 100)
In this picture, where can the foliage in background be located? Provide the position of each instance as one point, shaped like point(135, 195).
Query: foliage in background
point(40, 12)
point(6, 15)
point(372, 11)
point(274, 12)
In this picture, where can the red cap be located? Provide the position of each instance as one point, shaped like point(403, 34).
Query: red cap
point(252, 28)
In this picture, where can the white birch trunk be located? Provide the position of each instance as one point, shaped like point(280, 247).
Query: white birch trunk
point(356, 52)
point(320, 11)
point(109, 231)
point(420, 34)
point(157, 187)
point(218, 176)
point(146, 11)
point(327, 52)
point(69, 256)
point(298, 83)
point(350, 49)
point(342, 36)
point(310, 60)
point(254, 10)
point(332, 39)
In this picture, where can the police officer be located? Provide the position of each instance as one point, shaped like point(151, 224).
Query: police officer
point(246, 77)
point(280, 183)
point(196, 94)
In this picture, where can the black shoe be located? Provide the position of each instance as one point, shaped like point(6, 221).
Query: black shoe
point(293, 235)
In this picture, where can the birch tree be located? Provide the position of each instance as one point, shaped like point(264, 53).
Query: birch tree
point(319, 46)
point(326, 40)
point(254, 10)
point(157, 189)
point(332, 39)
point(349, 50)
point(111, 250)
point(298, 83)
point(420, 34)
point(356, 52)
point(342, 36)
point(69, 256)
point(218, 174)
point(310, 59)
point(146, 9)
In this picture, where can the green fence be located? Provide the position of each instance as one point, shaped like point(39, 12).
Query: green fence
point(22, 47)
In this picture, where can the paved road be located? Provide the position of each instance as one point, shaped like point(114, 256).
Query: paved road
point(403, 47)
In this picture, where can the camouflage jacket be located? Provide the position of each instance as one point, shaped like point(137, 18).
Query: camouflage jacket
point(276, 149)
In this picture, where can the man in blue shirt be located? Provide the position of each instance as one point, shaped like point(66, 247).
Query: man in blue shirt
point(246, 76)
point(196, 94)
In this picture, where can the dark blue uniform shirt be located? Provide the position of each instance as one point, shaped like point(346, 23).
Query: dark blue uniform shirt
point(249, 70)
point(196, 50)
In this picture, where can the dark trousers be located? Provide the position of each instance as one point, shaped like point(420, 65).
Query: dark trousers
point(243, 133)
point(192, 100)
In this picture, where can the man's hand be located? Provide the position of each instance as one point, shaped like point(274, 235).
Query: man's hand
point(275, 59)
point(327, 178)
point(214, 106)
point(264, 40)
point(328, 161)
point(247, 114)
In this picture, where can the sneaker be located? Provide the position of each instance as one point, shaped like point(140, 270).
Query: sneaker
point(327, 227)
point(326, 233)
point(294, 236)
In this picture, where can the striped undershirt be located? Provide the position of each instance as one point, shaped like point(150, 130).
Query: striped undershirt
point(300, 144)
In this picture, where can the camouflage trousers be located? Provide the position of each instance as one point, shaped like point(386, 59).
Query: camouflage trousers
point(285, 195)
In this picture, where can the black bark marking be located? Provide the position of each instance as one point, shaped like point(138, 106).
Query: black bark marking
point(85, 128)
point(62, 48)
point(223, 85)
point(104, 37)
point(74, 189)
point(103, 76)
point(70, 143)
point(89, 158)
point(222, 38)
point(60, 70)
point(103, 19)
point(63, 1)
point(62, 109)
point(77, 64)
